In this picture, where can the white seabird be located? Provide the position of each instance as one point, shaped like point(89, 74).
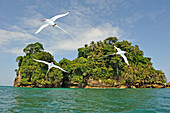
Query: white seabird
point(120, 52)
point(51, 22)
point(50, 65)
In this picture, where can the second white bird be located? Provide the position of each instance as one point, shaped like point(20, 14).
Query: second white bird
point(120, 52)
point(50, 65)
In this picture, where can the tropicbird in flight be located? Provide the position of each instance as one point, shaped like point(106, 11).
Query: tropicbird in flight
point(50, 65)
point(120, 52)
point(51, 22)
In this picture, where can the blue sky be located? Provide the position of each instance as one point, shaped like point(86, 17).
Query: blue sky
point(143, 22)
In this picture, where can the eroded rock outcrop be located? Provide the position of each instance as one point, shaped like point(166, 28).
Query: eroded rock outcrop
point(17, 81)
point(168, 85)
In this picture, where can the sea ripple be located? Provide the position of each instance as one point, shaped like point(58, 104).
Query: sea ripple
point(43, 100)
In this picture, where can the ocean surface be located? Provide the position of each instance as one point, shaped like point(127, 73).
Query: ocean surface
point(53, 100)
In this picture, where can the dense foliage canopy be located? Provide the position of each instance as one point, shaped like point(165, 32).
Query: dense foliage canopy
point(92, 62)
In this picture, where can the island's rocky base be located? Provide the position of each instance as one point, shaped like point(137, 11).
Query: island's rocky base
point(90, 84)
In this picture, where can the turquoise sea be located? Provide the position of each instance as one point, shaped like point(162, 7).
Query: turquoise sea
point(53, 100)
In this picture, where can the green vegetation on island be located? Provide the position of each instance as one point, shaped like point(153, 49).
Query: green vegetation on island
point(91, 69)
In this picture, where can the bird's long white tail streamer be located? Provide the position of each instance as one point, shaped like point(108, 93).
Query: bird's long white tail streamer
point(64, 30)
point(47, 73)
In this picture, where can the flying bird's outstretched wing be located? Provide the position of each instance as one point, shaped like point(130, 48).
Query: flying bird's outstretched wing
point(118, 49)
point(42, 27)
point(125, 59)
point(42, 61)
point(59, 16)
point(63, 30)
point(60, 68)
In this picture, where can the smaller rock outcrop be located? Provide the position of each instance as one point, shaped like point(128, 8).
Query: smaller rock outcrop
point(168, 85)
point(17, 82)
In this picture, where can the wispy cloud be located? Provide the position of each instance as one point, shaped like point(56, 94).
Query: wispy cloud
point(155, 14)
point(17, 51)
point(85, 36)
point(11, 39)
point(8, 37)
point(134, 17)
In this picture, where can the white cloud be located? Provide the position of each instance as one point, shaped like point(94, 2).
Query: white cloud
point(17, 51)
point(8, 37)
point(85, 36)
point(11, 39)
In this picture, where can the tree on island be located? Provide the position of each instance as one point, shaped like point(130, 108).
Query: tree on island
point(90, 65)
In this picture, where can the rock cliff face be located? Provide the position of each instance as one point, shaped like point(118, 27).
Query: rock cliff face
point(17, 81)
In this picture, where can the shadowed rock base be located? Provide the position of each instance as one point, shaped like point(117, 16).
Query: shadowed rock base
point(90, 83)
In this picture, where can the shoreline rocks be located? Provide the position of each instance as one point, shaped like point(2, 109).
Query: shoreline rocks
point(91, 84)
point(89, 87)
point(94, 86)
